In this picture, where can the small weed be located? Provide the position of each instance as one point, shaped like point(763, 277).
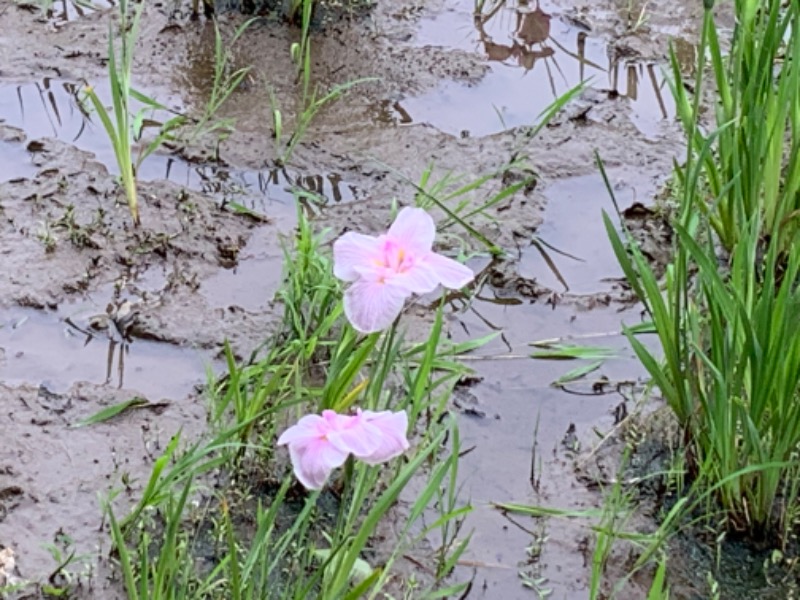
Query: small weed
point(46, 236)
point(225, 82)
point(636, 15)
point(531, 576)
point(312, 98)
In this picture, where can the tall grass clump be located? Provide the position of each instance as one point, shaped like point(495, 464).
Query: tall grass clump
point(751, 168)
point(224, 518)
point(728, 311)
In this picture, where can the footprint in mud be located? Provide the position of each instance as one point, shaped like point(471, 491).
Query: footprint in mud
point(9, 499)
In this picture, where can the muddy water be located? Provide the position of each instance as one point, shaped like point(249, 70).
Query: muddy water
point(534, 57)
point(43, 348)
point(454, 94)
point(571, 224)
point(13, 162)
point(521, 448)
point(53, 108)
point(522, 434)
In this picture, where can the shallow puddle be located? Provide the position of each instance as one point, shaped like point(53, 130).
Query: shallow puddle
point(534, 57)
point(517, 444)
point(520, 432)
point(573, 224)
point(41, 348)
point(13, 163)
point(253, 282)
point(52, 108)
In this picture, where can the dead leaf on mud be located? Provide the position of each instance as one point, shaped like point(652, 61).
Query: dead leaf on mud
point(7, 566)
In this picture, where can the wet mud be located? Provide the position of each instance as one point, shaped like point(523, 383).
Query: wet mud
point(447, 92)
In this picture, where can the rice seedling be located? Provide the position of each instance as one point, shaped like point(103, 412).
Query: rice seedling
point(727, 315)
point(749, 164)
point(224, 82)
point(726, 311)
point(120, 124)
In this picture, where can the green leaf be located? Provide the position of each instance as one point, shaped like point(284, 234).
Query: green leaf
point(578, 372)
point(145, 99)
point(114, 410)
point(556, 351)
point(138, 124)
point(659, 590)
point(361, 569)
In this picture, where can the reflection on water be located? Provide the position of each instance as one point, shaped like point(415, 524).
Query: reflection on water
point(47, 348)
point(52, 108)
point(530, 41)
point(534, 57)
point(61, 11)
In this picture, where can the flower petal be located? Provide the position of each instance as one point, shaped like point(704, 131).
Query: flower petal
point(373, 305)
point(392, 427)
point(359, 438)
point(420, 278)
point(414, 229)
point(314, 462)
point(354, 251)
point(307, 428)
point(450, 273)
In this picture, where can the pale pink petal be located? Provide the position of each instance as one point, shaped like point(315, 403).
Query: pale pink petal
point(354, 251)
point(450, 273)
point(393, 427)
point(314, 462)
point(334, 421)
point(359, 438)
point(309, 427)
point(414, 229)
point(372, 305)
point(391, 424)
point(419, 278)
point(350, 433)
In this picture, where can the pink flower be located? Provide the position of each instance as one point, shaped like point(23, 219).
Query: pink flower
point(391, 428)
point(314, 447)
point(386, 270)
point(320, 444)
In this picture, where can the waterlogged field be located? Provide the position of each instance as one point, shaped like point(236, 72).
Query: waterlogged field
point(480, 299)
